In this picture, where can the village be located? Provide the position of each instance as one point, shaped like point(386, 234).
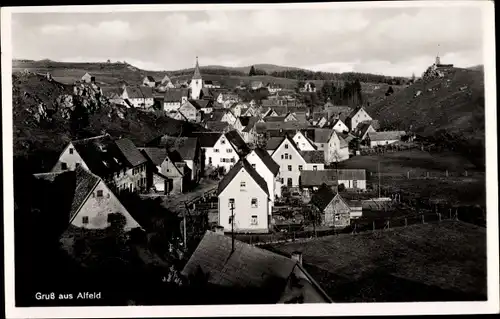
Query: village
point(267, 171)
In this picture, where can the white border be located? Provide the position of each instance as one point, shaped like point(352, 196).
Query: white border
point(421, 308)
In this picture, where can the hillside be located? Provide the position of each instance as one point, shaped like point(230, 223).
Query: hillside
point(269, 68)
point(448, 110)
point(48, 114)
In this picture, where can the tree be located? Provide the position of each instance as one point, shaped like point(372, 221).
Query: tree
point(252, 71)
point(390, 91)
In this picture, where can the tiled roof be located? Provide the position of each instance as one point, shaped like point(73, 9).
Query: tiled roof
point(267, 160)
point(247, 268)
point(314, 157)
point(318, 115)
point(242, 163)
point(130, 151)
point(317, 178)
point(150, 78)
point(273, 143)
point(185, 146)
point(200, 104)
point(111, 92)
point(362, 128)
point(235, 139)
point(251, 123)
point(165, 79)
point(155, 154)
point(274, 119)
point(139, 92)
point(208, 139)
point(352, 174)
point(292, 125)
point(217, 126)
point(322, 197)
point(196, 74)
point(322, 135)
point(175, 95)
point(385, 136)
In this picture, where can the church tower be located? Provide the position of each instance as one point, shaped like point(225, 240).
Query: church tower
point(196, 82)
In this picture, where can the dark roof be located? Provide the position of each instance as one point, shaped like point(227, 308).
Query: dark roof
point(139, 92)
point(235, 139)
point(275, 119)
point(251, 123)
point(111, 92)
point(196, 74)
point(352, 174)
point(155, 154)
point(291, 125)
point(385, 136)
point(274, 142)
point(267, 160)
point(322, 197)
point(315, 157)
point(216, 115)
point(217, 126)
point(208, 139)
point(242, 163)
point(247, 268)
point(185, 146)
point(322, 135)
point(130, 151)
point(318, 115)
point(150, 78)
point(317, 178)
point(199, 104)
point(175, 95)
point(363, 127)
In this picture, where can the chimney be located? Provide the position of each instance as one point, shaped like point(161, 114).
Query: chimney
point(297, 256)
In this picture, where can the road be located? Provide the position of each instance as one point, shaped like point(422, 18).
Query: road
point(175, 202)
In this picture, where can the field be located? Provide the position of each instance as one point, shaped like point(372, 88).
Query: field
point(433, 262)
point(394, 167)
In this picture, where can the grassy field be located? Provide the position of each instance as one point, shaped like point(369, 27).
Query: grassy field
point(394, 167)
point(433, 262)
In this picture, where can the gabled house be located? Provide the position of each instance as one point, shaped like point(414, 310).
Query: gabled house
point(292, 161)
point(273, 88)
point(363, 129)
point(250, 111)
point(149, 81)
point(319, 119)
point(308, 87)
point(249, 132)
point(337, 149)
point(290, 117)
point(245, 191)
point(166, 83)
point(384, 138)
point(191, 111)
point(262, 162)
point(138, 96)
point(186, 149)
point(174, 98)
point(339, 126)
point(303, 142)
point(205, 106)
point(268, 278)
point(87, 78)
point(177, 115)
point(272, 144)
point(118, 162)
point(255, 85)
point(353, 179)
point(84, 198)
point(338, 112)
point(356, 117)
point(236, 108)
point(334, 210)
point(227, 97)
point(321, 138)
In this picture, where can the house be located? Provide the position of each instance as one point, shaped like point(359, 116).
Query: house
point(303, 142)
point(87, 78)
point(274, 119)
point(290, 117)
point(227, 97)
point(250, 111)
point(337, 150)
point(237, 108)
point(118, 162)
point(177, 115)
point(272, 144)
point(352, 179)
point(84, 198)
point(356, 117)
point(243, 189)
point(222, 150)
point(337, 112)
point(308, 87)
point(196, 84)
point(319, 119)
point(384, 138)
point(363, 129)
point(149, 81)
point(339, 126)
point(321, 138)
point(166, 83)
point(255, 85)
point(138, 96)
point(334, 210)
point(245, 274)
point(273, 88)
point(174, 98)
point(206, 94)
point(249, 132)
point(191, 110)
point(212, 84)
point(262, 162)
point(291, 161)
point(205, 106)
point(169, 173)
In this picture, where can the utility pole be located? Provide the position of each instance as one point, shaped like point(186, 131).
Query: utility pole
point(232, 227)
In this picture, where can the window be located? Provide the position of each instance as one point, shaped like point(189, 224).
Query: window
point(290, 156)
point(254, 220)
point(286, 155)
point(229, 150)
point(254, 203)
point(209, 160)
point(243, 184)
point(77, 165)
point(337, 217)
point(298, 136)
point(223, 142)
point(281, 156)
point(253, 165)
point(232, 160)
point(300, 167)
point(231, 202)
point(99, 193)
point(286, 146)
point(289, 168)
point(315, 168)
point(222, 160)
point(64, 165)
point(85, 219)
point(71, 150)
point(282, 180)
point(216, 150)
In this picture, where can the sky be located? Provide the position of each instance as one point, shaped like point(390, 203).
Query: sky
point(389, 41)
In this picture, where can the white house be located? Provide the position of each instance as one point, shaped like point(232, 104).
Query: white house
point(174, 98)
point(166, 83)
point(227, 97)
point(262, 162)
point(291, 161)
point(222, 150)
point(138, 96)
point(354, 179)
point(303, 143)
point(339, 126)
point(384, 138)
point(237, 108)
point(149, 81)
point(357, 116)
point(118, 162)
point(337, 150)
point(363, 129)
point(249, 132)
point(196, 84)
point(243, 200)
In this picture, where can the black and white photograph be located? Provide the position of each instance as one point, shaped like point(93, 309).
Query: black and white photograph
point(251, 156)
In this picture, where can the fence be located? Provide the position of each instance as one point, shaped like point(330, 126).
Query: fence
point(423, 174)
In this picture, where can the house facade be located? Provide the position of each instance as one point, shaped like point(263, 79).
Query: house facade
point(334, 210)
point(375, 139)
point(339, 126)
point(353, 179)
point(302, 142)
point(174, 98)
point(356, 117)
point(337, 150)
point(266, 167)
point(190, 112)
point(149, 81)
point(138, 97)
point(87, 78)
point(246, 191)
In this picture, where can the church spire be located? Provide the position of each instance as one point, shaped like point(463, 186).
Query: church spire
point(197, 74)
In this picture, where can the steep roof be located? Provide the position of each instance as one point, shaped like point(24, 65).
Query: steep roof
point(150, 78)
point(267, 160)
point(235, 138)
point(322, 197)
point(155, 154)
point(251, 123)
point(322, 135)
point(275, 119)
point(175, 95)
point(314, 157)
point(273, 143)
point(165, 79)
point(196, 74)
point(208, 139)
point(318, 178)
point(242, 163)
point(352, 174)
point(186, 147)
point(385, 136)
point(130, 151)
point(217, 126)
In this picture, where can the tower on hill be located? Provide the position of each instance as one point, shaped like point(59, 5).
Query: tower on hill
point(196, 82)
